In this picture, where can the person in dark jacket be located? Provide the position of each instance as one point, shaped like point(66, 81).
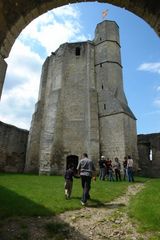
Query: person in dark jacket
point(69, 174)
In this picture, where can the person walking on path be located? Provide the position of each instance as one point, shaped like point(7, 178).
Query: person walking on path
point(69, 173)
point(86, 168)
point(130, 169)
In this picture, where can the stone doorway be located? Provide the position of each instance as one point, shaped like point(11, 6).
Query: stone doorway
point(72, 160)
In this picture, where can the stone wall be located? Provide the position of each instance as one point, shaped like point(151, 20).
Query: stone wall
point(149, 154)
point(3, 68)
point(13, 142)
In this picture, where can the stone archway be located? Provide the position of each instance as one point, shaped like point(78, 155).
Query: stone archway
point(16, 15)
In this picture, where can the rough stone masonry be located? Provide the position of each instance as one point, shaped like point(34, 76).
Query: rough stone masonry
point(82, 106)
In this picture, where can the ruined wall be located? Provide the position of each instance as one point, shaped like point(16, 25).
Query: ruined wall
point(13, 142)
point(32, 154)
point(149, 165)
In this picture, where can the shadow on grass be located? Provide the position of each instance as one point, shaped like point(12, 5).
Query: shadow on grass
point(94, 203)
point(24, 219)
point(13, 204)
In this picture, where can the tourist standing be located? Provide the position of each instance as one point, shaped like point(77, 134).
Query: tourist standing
point(117, 169)
point(110, 171)
point(130, 169)
point(102, 168)
point(124, 168)
point(85, 168)
point(107, 167)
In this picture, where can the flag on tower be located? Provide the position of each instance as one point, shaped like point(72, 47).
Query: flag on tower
point(104, 13)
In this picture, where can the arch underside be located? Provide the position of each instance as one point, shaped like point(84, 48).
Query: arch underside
point(16, 15)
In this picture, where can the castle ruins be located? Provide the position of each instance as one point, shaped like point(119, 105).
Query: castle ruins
point(82, 106)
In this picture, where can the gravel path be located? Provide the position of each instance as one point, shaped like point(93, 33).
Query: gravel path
point(108, 222)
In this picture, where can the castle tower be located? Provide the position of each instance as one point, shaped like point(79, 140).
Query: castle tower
point(69, 116)
point(117, 124)
point(82, 106)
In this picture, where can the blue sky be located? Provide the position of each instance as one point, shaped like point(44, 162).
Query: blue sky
point(77, 22)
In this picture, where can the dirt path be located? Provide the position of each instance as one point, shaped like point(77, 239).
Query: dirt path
point(109, 221)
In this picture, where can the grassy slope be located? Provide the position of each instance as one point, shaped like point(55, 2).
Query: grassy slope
point(145, 207)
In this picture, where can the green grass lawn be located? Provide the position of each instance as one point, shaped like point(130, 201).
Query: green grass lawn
point(31, 195)
point(145, 207)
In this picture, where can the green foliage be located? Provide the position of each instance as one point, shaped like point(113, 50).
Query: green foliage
point(145, 206)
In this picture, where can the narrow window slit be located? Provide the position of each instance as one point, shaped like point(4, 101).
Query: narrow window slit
point(78, 51)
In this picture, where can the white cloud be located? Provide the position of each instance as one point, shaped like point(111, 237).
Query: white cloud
point(157, 102)
point(150, 67)
point(24, 63)
point(54, 28)
point(17, 103)
point(158, 89)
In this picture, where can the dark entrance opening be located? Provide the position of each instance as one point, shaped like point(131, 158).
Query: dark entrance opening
point(72, 160)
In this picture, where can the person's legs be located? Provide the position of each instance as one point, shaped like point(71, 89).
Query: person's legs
point(70, 189)
point(132, 177)
point(66, 189)
point(129, 174)
point(110, 175)
point(100, 174)
point(87, 188)
point(119, 175)
point(116, 174)
point(83, 181)
point(86, 185)
point(103, 173)
point(124, 174)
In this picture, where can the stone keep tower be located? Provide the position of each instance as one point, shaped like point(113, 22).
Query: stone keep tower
point(82, 106)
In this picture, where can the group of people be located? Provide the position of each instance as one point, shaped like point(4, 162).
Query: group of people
point(108, 170)
point(87, 171)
